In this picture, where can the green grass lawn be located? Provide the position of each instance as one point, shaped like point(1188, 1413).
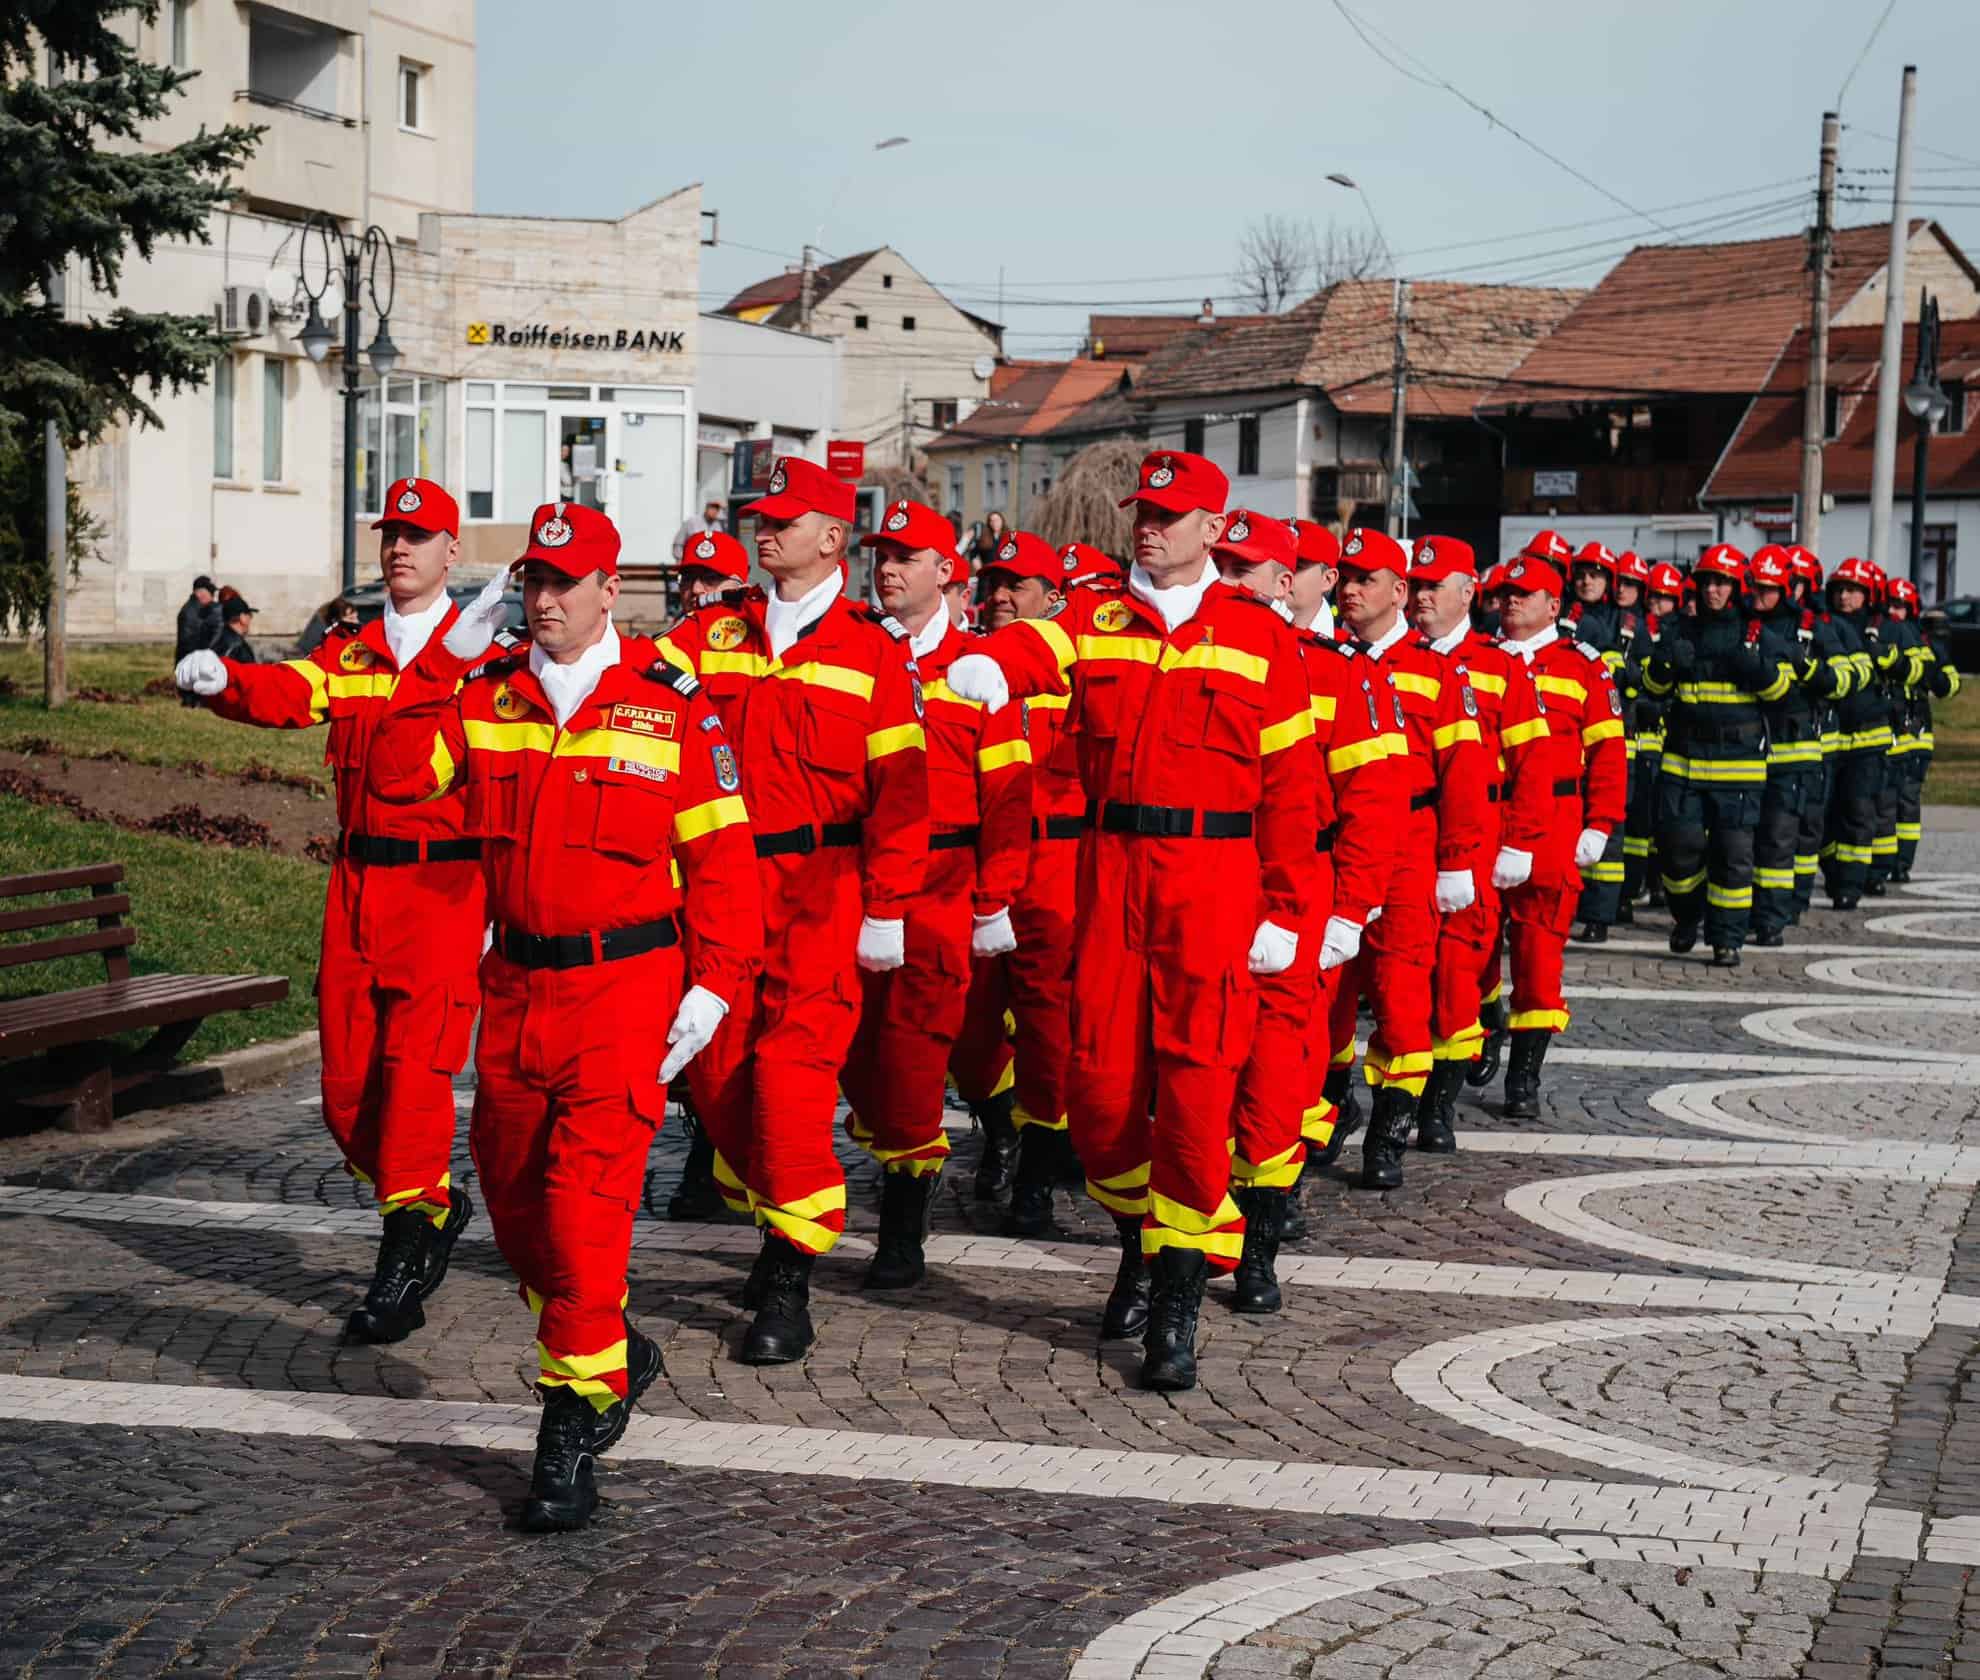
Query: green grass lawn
point(1954, 778)
point(157, 730)
point(197, 909)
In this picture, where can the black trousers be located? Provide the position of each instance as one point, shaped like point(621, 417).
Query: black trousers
point(1791, 789)
point(1705, 836)
point(1852, 830)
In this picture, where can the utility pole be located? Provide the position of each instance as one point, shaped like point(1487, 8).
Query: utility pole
point(1399, 378)
point(1815, 409)
point(807, 285)
point(907, 428)
point(54, 642)
point(1883, 460)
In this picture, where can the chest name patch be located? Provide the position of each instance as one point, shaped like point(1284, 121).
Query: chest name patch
point(644, 720)
point(631, 767)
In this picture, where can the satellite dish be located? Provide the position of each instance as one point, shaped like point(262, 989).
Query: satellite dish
point(985, 366)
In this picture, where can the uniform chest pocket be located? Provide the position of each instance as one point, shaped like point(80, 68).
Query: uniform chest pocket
point(494, 796)
point(831, 733)
point(1098, 704)
point(1224, 713)
point(344, 750)
point(624, 811)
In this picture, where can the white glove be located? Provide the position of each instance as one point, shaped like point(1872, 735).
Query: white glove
point(1513, 868)
point(1341, 943)
point(993, 935)
point(1589, 848)
point(976, 676)
point(1455, 890)
point(1272, 949)
point(700, 1013)
point(1375, 914)
point(203, 672)
point(882, 944)
point(473, 633)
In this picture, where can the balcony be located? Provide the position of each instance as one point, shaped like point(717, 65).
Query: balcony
point(308, 160)
point(1664, 489)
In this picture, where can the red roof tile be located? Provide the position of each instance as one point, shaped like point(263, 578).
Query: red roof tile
point(1039, 400)
point(1133, 338)
point(779, 288)
point(1763, 461)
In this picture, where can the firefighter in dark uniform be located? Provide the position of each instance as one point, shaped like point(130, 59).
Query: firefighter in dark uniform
point(1663, 600)
point(1595, 620)
point(1929, 675)
point(1863, 736)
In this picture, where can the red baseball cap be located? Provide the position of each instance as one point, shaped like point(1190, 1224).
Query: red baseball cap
point(1530, 575)
point(798, 486)
point(1082, 562)
point(1437, 558)
point(1495, 579)
point(915, 526)
point(422, 503)
point(1318, 546)
point(717, 551)
point(959, 572)
point(576, 539)
point(1023, 555)
point(1548, 545)
point(1256, 538)
point(1178, 481)
point(1374, 551)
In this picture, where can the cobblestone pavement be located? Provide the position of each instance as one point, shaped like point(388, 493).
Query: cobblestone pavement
point(1674, 1381)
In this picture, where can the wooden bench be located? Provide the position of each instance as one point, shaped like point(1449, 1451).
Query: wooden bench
point(70, 1029)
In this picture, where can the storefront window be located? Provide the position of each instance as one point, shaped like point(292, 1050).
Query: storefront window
point(524, 431)
point(611, 447)
point(402, 436)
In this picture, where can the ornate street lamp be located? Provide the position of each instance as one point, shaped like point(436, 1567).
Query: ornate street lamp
point(1926, 401)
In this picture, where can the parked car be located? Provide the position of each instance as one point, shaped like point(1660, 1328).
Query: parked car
point(1956, 625)
point(369, 599)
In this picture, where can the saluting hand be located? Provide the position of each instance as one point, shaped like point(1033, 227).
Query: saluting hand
point(473, 633)
point(204, 672)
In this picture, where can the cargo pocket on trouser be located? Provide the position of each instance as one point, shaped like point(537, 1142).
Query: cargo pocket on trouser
point(450, 1049)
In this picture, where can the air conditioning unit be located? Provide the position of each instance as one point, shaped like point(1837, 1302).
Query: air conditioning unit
point(242, 312)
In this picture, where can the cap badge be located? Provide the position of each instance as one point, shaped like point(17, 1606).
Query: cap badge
point(1353, 544)
point(554, 532)
point(408, 501)
point(778, 480)
point(1239, 531)
point(1008, 551)
point(1070, 558)
point(1426, 555)
point(1162, 477)
point(705, 549)
point(1518, 569)
point(897, 520)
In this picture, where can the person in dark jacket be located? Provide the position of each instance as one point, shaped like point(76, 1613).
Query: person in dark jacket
point(236, 621)
point(1863, 735)
point(199, 623)
point(1595, 620)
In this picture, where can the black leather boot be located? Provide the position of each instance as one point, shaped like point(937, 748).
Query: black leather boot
point(1000, 1146)
point(898, 1261)
point(1168, 1348)
point(440, 1240)
point(1529, 1050)
point(1436, 1115)
point(1031, 1190)
point(391, 1311)
point(1292, 1217)
point(1339, 1090)
point(1725, 956)
point(1492, 1017)
point(563, 1491)
point(1127, 1303)
point(698, 1197)
point(1625, 914)
point(1257, 1278)
point(1593, 933)
point(1388, 1136)
point(642, 1366)
point(782, 1329)
point(1683, 937)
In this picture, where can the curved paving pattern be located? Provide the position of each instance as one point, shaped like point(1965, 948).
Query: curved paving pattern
point(1671, 1382)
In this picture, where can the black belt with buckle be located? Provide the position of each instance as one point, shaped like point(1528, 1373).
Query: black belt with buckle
point(580, 950)
point(1174, 822)
point(1324, 840)
point(807, 838)
point(1424, 800)
point(1058, 828)
point(1567, 789)
point(380, 848)
point(953, 839)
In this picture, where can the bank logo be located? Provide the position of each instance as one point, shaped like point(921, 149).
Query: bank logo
point(477, 332)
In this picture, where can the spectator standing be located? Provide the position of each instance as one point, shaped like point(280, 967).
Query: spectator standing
point(988, 541)
point(199, 625)
point(237, 619)
point(710, 520)
point(336, 617)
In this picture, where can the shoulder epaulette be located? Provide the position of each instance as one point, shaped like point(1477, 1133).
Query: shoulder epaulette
point(508, 639)
point(887, 621)
point(669, 675)
point(500, 665)
point(1346, 650)
point(1587, 652)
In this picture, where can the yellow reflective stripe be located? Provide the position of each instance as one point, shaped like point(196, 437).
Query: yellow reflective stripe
point(939, 689)
point(674, 656)
point(1271, 1173)
point(1321, 708)
point(1774, 880)
point(1049, 702)
point(1728, 898)
point(1488, 682)
point(1005, 752)
point(708, 816)
point(1054, 638)
point(1795, 752)
point(1411, 683)
point(365, 685)
point(1226, 1245)
point(1687, 885)
point(1465, 729)
point(1607, 730)
point(838, 677)
point(621, 743)
point(484, 736)
point(1179, 1216)
point(1276, 737)
point(734, 662)
point(442, 764)
point(883, 743)
point(1783, 680)
point(319, 686)
point(1343, 759)
point(1714, 769)
point(1124, 1193)
point(569, 1365)
point(1464, 1045)
point(1866, 738)
point(1518, 734)
point(1566, 687)
point(1910, 831)
point(1636, 846)
point(1206, 657)
point(1599, 871)
point(1537, 1020)
point(1851, 854)
point(1136, 650)
point(1712, 693)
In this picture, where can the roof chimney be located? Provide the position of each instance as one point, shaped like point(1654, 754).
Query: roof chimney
point(1209, 313)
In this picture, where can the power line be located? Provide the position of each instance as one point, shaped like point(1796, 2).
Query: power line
point(1890, 6)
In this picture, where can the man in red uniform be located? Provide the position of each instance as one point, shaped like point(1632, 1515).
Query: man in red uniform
point(1440, 850)
point(979, 838)
point(819, 697)
point(1442, 579)
point(396, 992)
point(712, 564)
point(1191, 718)
point(1362, 802)
point(1016, 1080)
point(599, 781)
point(1590, 771)
point(1086, 567)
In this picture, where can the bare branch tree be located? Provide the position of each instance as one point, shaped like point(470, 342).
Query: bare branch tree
point(1275, 258)
point(1346, 253)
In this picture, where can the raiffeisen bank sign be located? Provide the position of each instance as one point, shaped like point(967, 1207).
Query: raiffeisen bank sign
point(539, 335)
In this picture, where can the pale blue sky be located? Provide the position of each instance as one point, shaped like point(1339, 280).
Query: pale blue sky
point(1110, 155)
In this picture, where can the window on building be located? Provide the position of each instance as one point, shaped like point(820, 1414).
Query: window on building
point(402, 434)
point(223, 417)
point(1940, 547)
point(996, 484)
point(886, 282)
point(1193, 436)
point(1953, 420)
point(481, 463)
point(514, 432)
point(955, 490)
point(907, 323)
point(1831, 413)
point(292, 61)
point(859, 323)
point(274, 412)
point(412, 95)
point(175, 24)
point(944, 415)
point(1247, 462)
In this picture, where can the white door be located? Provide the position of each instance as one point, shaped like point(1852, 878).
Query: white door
point(651, 483)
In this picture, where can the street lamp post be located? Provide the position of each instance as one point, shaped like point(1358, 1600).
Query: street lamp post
point(1398, 510)
point(808, 261)
point(357, 253)
point(1926, 401)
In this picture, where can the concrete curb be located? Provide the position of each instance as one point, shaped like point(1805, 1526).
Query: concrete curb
point(237, 1070)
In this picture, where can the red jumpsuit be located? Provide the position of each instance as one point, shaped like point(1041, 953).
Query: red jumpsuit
point(979, 834)
point(1590, 772)
point(834, 774)
point(1449, 803)
point(588, 830)
point(1361, 804)
point(396, 991)
point(1521, 814)
point(1196, 752)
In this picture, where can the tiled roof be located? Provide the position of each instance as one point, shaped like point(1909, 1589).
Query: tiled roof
point(1763, 461)
point(830, 277)
point(1134, 338)
point(1463, 338)
point(1704, 319)
point(1039, 400)
point(779, 288)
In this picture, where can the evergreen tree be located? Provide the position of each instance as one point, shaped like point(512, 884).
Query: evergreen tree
point(75, 98)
